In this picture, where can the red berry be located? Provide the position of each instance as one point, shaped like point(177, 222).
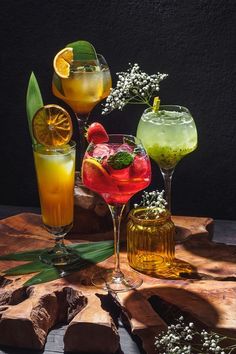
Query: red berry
point(97, 134)
point(119, 174)
point(139, 167)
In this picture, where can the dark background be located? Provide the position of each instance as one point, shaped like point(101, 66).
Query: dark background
point(191, 40)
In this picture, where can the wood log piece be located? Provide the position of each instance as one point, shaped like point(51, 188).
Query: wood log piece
point(208, 294)
point(189, 225)
point(25, 324)
point(212, 303)
point(91, 213)
point(144, 322)
point(92, 330)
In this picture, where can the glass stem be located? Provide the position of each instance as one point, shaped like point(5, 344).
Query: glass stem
point(59, 243)
point(116, 213)
point(167, 176)
point(82, 142)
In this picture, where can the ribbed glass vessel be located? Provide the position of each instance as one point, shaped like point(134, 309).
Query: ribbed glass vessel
point(150, 241)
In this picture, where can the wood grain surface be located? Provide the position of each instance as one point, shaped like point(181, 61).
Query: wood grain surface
point(201, 283)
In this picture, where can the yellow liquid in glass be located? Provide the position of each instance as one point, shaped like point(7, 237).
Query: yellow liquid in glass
point(150, 242)
point(82, 90)
point(55, 174)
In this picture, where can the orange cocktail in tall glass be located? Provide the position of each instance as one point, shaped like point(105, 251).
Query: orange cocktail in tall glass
point(55, 174)
point(55, 169)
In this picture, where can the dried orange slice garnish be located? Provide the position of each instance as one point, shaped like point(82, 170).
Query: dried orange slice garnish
point(62, 61)
point(52, 126)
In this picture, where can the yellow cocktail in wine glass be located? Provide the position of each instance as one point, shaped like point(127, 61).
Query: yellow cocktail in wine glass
point(81, 79)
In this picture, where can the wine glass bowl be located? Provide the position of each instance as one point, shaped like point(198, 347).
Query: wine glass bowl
point(89, 82)
point(116, 170)
point(168, 135)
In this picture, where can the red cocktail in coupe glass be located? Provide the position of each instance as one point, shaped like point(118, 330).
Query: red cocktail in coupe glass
point(116, 169)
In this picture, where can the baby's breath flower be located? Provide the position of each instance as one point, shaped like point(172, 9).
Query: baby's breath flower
point(184, 339)
point(133, 86)
point(154, 203)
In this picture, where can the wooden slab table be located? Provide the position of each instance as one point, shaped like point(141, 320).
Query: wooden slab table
point(209, 296)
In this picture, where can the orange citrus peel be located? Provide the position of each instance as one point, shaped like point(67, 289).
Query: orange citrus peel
point(62, 61)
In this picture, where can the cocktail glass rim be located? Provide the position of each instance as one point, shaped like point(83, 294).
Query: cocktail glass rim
point(137, 141)
point(60, 149)
point(169, 107)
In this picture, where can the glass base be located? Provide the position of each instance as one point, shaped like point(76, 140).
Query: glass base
point(59, 256)
point(106, 280)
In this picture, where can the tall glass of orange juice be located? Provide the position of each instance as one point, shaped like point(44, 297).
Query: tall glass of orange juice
point(55, 170)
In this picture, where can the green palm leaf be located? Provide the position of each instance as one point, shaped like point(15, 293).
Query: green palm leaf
point(33, 255)
point(90, 253)
point(33, 102)
point(27, 268)
point(46, 275)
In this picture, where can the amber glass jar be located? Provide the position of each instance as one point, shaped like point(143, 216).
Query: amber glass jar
point(150, 241)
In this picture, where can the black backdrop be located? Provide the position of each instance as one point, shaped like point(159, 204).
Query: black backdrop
point(191, 40)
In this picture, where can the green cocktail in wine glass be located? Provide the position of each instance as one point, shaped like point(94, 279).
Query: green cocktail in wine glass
point(168, 135)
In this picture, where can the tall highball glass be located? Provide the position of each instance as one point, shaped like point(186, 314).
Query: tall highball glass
point(55, 170)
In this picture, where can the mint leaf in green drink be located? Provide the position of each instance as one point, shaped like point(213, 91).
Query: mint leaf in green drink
point(33, 101)
point(120, 160)
point(83, 50)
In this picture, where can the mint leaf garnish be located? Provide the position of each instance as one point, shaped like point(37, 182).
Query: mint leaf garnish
point(83, 50)
point(120, 160)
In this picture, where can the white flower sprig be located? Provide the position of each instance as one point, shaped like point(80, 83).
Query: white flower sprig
point(153, 202)
point(134, 87)
point(185, 339)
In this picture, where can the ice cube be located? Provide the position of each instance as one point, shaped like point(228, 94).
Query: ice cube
point(86, 68)
point(125, 147)
point(102, 150)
